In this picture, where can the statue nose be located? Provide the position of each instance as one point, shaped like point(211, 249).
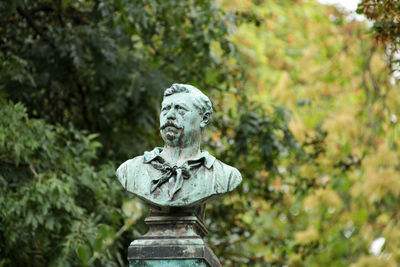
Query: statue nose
point(171, 114)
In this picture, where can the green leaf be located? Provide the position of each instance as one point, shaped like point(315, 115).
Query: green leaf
point(84, 253)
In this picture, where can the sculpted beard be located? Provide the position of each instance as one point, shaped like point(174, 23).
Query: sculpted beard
point(172, 131)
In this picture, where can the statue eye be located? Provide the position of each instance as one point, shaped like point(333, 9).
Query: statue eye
point(165, 108)
point(180, 108)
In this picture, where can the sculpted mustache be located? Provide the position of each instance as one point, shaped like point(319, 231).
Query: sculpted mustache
point(170, 123)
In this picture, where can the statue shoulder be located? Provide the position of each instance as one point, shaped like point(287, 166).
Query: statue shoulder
point(228, 177)
point(126, 168)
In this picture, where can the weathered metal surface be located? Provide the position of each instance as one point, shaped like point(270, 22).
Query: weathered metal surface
point(173, 237)
point(176, 181)
point(179, 174)
point(169, 263)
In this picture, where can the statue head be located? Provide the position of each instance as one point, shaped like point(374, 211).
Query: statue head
point(185, 112)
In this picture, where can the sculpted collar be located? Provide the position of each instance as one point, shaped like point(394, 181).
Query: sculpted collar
point(155, 153)
point(173, 173)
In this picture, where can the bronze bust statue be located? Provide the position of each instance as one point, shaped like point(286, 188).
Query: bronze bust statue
point(179, 174)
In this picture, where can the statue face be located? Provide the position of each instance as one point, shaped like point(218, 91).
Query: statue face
point(180, 120)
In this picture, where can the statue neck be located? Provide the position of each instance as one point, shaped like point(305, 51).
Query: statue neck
point(179, 155)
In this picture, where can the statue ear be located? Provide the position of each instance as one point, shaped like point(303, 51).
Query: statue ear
point(205, 120)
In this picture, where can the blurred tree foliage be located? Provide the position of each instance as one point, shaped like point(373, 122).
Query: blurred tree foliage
point(81, 83)
point(385, 15)
point(101, 66)
point(329, 202)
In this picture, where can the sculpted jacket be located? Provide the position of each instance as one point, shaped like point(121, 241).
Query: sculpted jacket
point(158, 183)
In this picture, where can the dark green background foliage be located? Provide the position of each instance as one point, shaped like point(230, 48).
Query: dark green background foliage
point(102, 66)
point(52, 198)
point(81, 83)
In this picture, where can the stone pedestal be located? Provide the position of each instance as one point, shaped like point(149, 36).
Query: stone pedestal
point(172, 240)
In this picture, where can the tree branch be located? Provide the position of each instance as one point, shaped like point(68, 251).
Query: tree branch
point(84, 106)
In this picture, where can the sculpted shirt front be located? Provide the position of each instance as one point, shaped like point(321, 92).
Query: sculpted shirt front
point(162, 184)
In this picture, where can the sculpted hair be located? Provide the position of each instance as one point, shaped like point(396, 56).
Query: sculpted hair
point(202, 102)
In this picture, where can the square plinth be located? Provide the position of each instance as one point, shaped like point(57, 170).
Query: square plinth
point(169, 263)
point(172, 241)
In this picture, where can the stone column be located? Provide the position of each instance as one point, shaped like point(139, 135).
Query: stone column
point(172, 240)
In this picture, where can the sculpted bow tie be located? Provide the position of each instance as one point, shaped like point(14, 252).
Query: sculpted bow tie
point(179, 173)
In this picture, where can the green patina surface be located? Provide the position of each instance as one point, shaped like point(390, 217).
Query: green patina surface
point(176, 179)
point(179, 174)
point(168, 263)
